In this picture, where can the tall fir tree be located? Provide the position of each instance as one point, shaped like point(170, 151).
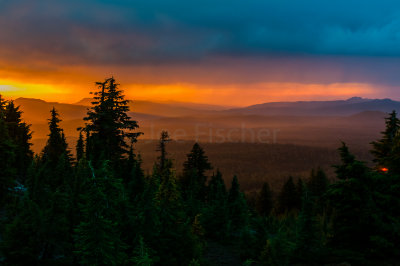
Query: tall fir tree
point(349, 167)
point(7, 158)
point(177, 245)
point(350, 198)
point(308, 242)
point(194, 173)
point(22, 235)
point(56, 145)
point(300, 186)
point(97, 238)
point(237, 206)
point(7, 163)
point(317, 187)
point(21, 135)
point(264, 201)
point(215, 215)
point(288, 198)
point(80, 147)
point(163, 163)
point(382, 149)
point(55, 160)
point(108, 124)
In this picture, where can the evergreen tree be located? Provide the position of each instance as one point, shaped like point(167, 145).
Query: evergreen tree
point(318, 183)
point(317, 186)
point(177, 244)
point(194, 178)
point(98, 240)
point(350, 167)
point(237, 206)
point(108, 124)
point(193, 181)
point(137, 183)
point(20, 134)
point(80, 147)
point(300, 186)
point(382, 148)
point(56, 145)
point(288, 198)
point(216, 190)
point(307, 237)
point(162, 148)
point(21, 239)
point(7, 162)
point(350, 198)
point(215, 216)
point(142, 255)
point(40, 225)
point(264, 203)
point(144, 219)
point(55, 162)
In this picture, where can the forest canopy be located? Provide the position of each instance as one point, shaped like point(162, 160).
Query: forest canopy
point(100, 207)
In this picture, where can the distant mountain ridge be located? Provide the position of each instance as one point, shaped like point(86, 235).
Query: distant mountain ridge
point(37, 109)
point(169, 108)
point(347, 107)
point(323, 123)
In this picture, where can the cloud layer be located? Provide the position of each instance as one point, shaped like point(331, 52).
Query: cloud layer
point(135, 32)
point(208, 41)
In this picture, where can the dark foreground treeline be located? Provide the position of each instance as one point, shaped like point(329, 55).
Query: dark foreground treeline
point(101, 209)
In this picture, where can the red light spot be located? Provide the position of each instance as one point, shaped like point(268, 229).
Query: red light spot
point(384, 169)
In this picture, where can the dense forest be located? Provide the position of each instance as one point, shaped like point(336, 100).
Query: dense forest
point(100, 208)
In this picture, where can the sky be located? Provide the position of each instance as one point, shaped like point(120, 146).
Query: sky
point(227, 52)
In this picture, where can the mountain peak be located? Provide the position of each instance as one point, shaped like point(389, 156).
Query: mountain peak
point(357, 99)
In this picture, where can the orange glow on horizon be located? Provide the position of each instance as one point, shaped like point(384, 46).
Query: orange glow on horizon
point(229, 82)
point(219, 94)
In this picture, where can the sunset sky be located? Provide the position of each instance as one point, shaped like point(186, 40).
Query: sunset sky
point(226, 52)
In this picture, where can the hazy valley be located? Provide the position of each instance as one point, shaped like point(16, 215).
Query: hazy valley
point(262, 142)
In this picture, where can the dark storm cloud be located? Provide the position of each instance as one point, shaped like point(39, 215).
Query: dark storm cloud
point(151, 31)
point(360, 34)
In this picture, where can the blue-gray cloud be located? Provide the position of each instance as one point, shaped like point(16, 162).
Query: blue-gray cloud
point(154, 32)
point(159, 30)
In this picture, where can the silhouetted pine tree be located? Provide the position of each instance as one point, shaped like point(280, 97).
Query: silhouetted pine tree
point(317, 186)
point(307, 237)
point(56, 145)
point(98, 239)
point(136, 183)
point(215, 216)
point(7, 162)
point(193, 180)
point(237, 206)
point(144, 219)
point(300, 185)
point(288, 198)
point(264, 203)
point(55, 162)
point(163, 163)
point(108, 124)
point(176, 242)
point(350, 167)
point(350, 199)
point(46, 239)
point(382, 148)
point(194, 169)
point(21, 135)
point(22, 236)
point(80, 147)
point(216, 189)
